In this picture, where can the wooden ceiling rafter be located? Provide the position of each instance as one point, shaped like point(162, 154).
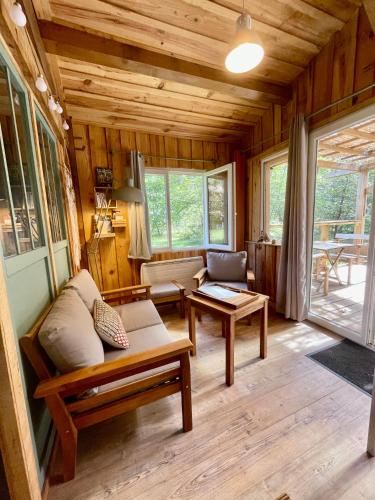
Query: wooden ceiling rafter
point(78, 45)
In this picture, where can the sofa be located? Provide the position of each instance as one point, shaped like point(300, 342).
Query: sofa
point(85, 381)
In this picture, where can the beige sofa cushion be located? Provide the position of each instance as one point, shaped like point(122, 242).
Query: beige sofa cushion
point(138, 315)
point(86, 288)
point(142, 340)
point(226, 266)
point(68, 335)
point(164, 290)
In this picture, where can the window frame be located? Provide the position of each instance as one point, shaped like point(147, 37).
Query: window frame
point(16, 82)
point(230, 168)
point(165, 173)
point(55, 172)
point(266, 164)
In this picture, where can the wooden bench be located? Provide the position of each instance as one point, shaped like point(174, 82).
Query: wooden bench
point(70, 414)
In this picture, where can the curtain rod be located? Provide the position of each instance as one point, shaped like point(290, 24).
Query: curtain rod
point(178, 159)
point(307, 117)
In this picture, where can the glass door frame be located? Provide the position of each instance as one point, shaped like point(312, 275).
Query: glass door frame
point(369, 303)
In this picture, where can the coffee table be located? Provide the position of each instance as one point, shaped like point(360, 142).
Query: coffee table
point(229, 317)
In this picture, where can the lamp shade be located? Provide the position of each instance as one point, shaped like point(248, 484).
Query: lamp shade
point(246, 50)
point(128, 193)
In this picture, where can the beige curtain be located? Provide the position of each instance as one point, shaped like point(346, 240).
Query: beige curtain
point(139, 228)
point(291, 291)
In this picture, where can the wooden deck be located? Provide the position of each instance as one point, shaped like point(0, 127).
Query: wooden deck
point(344, 303)
point(287, 425)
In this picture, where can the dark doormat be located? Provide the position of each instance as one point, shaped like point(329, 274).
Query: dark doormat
point(350, 361)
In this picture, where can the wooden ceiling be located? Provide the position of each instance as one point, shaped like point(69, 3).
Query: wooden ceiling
point(158, 66)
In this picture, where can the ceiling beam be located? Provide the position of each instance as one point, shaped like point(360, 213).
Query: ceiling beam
point(353, 132)
point(345, 150)
point(77, 45)
point(337, 166)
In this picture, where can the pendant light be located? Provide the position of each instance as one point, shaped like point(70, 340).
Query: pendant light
point(17, 15)
point(66, 125)
point(41, 84)
point(128, 193)
point(246, 50)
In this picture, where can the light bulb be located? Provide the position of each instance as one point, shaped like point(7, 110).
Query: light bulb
point(59, 108)
point(244, 57)
point(17, 15)
point(41, 84)
point(52, 103)
point(66, 125)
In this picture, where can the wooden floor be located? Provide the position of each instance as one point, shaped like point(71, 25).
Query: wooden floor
point(287, 425)
point(344, 303)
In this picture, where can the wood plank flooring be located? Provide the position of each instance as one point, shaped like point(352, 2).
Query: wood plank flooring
point(287, 425)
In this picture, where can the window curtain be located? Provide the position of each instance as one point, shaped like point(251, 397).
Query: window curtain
point(291, 296)
point(139, 226)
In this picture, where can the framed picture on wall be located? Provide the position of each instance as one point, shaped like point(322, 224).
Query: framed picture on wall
point(104, 177)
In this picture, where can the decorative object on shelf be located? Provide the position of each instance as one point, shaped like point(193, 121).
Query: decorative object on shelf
point(246, 49)
point(17, 15)
point(104, 177)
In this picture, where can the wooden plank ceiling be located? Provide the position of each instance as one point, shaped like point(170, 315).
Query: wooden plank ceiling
point(158, 66)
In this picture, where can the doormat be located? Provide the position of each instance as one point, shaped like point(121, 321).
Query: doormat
point(350, 361)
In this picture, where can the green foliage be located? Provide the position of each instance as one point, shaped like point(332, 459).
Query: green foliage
point(278, 175)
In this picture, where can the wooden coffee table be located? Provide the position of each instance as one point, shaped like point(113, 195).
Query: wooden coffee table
point(229, 317)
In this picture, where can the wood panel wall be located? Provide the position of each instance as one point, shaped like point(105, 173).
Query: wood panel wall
point(96, 146)
point(344, 66)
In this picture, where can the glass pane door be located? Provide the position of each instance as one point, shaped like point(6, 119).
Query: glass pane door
point(341, 264)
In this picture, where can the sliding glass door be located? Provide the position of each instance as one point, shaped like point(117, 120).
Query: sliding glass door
point(341, 258)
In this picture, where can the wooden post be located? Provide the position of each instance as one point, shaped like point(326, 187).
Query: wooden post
point(187, 417)
point(324, 234)
point(229, 350)
point(15, 437)
point(192, 332)
point(371, 427)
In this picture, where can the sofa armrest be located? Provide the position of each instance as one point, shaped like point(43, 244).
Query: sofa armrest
point(179, 286)
point(109, 371)
point(250, 279)
point(200, 277)
point(135, 292)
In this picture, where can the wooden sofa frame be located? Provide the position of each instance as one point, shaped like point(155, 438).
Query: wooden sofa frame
point(69, 416)
point(178, 297)
point(201, 276)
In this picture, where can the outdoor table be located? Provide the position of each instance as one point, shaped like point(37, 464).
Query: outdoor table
point(327, 247)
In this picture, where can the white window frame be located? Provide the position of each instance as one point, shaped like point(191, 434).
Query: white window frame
point(264, 165)
point(165, 173)
point(230, 168)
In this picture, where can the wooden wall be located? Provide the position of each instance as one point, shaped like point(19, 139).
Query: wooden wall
point(108, 147)
point(344, 66)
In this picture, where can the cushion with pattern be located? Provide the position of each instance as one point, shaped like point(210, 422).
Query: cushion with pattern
point(109, 326)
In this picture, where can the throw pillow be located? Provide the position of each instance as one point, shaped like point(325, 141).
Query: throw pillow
point(108, 325)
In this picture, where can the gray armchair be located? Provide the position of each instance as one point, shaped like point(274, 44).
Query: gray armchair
point(229, 268)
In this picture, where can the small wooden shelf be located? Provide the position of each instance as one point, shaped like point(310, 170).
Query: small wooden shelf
point(104, 235)
point(118, 224)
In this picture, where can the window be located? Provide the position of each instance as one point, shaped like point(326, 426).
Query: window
point(190, 209)
point(274, 175)
point(175, 204)
point(19, 217)
point(52, 181)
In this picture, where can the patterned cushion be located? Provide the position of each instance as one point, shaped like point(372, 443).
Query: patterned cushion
point(108, 325)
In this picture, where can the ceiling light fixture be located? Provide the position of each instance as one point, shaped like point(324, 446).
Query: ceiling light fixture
point(246, 50)
point(52, 103)
point(17, 15)
point(66, 125)
point(41, 84)
point(59, 108)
